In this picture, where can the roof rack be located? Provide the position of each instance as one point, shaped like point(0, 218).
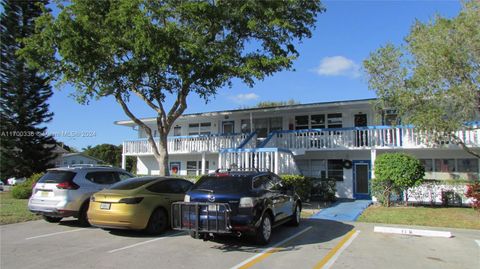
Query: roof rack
point(88, 165)
point(236, 169)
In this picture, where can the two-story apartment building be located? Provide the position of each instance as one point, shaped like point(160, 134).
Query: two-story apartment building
point(327, 140)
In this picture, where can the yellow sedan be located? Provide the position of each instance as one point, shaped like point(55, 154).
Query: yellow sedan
point(142, 203)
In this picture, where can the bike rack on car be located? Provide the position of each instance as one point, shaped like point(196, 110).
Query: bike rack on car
point(201, 217)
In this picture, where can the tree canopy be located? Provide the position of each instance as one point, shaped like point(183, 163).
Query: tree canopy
point(433, 79)
point(25, 148)
point(396, 172)
point(158, 50)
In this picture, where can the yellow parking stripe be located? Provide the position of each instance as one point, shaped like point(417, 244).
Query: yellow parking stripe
point(334, 250)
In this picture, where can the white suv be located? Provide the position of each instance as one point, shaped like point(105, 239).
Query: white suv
point(65, 192)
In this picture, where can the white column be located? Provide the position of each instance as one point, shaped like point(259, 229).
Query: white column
point(203, 163)
point(373, 156)
point(277, 164)
point(219, 164)
point(124, 161)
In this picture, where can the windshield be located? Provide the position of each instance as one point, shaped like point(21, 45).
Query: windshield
point(57, 177)
point(224, 184)
point(132, 183)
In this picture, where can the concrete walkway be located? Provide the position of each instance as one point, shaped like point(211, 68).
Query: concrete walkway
point(344, 210)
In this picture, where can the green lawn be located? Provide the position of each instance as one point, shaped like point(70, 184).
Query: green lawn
point(14, 210)
point(424, 216)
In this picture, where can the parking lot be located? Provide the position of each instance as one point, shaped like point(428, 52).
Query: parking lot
point(315, 244)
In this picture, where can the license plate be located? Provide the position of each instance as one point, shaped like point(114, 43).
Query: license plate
point(105, 206)
point(44, 193)
point(212, 207)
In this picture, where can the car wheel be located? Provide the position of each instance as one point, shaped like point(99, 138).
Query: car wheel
point(158, 222)
point(82, 215)
point(295, 221)
point(264, 232)
point(52, 219)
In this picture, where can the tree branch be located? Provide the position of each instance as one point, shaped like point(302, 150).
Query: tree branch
point(140, 123)
point(179, 106)
point(462, 144)
point(145, 99)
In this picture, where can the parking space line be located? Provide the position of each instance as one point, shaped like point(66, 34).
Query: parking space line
point(335, 252)
point(51, 234)
point(478, 242)
point(143, 243)
point(267, 252)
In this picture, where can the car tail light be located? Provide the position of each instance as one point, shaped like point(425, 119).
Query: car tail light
point(134, 200)
point(67, 185)
point(222, 174)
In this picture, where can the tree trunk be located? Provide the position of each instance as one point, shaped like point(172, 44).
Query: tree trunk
point(162, 157)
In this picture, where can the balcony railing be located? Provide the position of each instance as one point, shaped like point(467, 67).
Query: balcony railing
point(279, 161)
point(187, 144)
point(363, 138)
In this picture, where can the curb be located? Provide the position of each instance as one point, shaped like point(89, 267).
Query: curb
point(407, 231)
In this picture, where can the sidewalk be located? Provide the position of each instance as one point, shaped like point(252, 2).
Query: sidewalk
point(343, 210)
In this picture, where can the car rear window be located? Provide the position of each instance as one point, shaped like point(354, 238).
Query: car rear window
point(57, 177)
point(227, 184)
point(132, 183)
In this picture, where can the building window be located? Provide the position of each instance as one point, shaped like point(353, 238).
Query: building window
point(445, 165)
point(467, 165)
point(318, 168)
point(203, 128)
point(264, 126)
point(335, 169)
point(390, 117)
point(317, 121)
point(245, 126)
point(313, 168)
point(334, 120)
point(301, 122)
point(177, 131)
point(191, 168)
point(194, 168)
point(427, 164)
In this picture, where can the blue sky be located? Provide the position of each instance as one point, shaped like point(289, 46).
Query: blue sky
point(328, 69)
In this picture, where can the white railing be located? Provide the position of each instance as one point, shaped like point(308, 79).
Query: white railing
point(363, 138)
point(187, 144)
point(279, 161)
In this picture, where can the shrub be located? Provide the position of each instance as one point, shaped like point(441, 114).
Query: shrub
point(395, 172)
point(302, 185)
point(473, 191)
point(24, 190)
point(324, 189)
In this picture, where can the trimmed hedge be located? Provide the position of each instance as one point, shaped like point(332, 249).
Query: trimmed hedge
point(311, 188)
point(24, 190)
point(303, 185)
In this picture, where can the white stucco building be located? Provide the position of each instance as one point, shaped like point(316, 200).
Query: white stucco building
point(329, 140)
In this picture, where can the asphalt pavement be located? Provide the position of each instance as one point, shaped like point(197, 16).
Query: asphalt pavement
point(314, 244)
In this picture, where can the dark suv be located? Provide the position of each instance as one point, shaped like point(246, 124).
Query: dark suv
point(250, 203)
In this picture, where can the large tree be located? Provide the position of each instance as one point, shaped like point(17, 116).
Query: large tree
point(24, 93)
point(164, 51)
point(433, 80)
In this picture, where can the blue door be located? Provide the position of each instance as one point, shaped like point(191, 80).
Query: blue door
point(361, 179)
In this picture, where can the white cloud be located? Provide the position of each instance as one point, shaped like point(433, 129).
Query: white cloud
point(338, 66)
point(244, 97)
